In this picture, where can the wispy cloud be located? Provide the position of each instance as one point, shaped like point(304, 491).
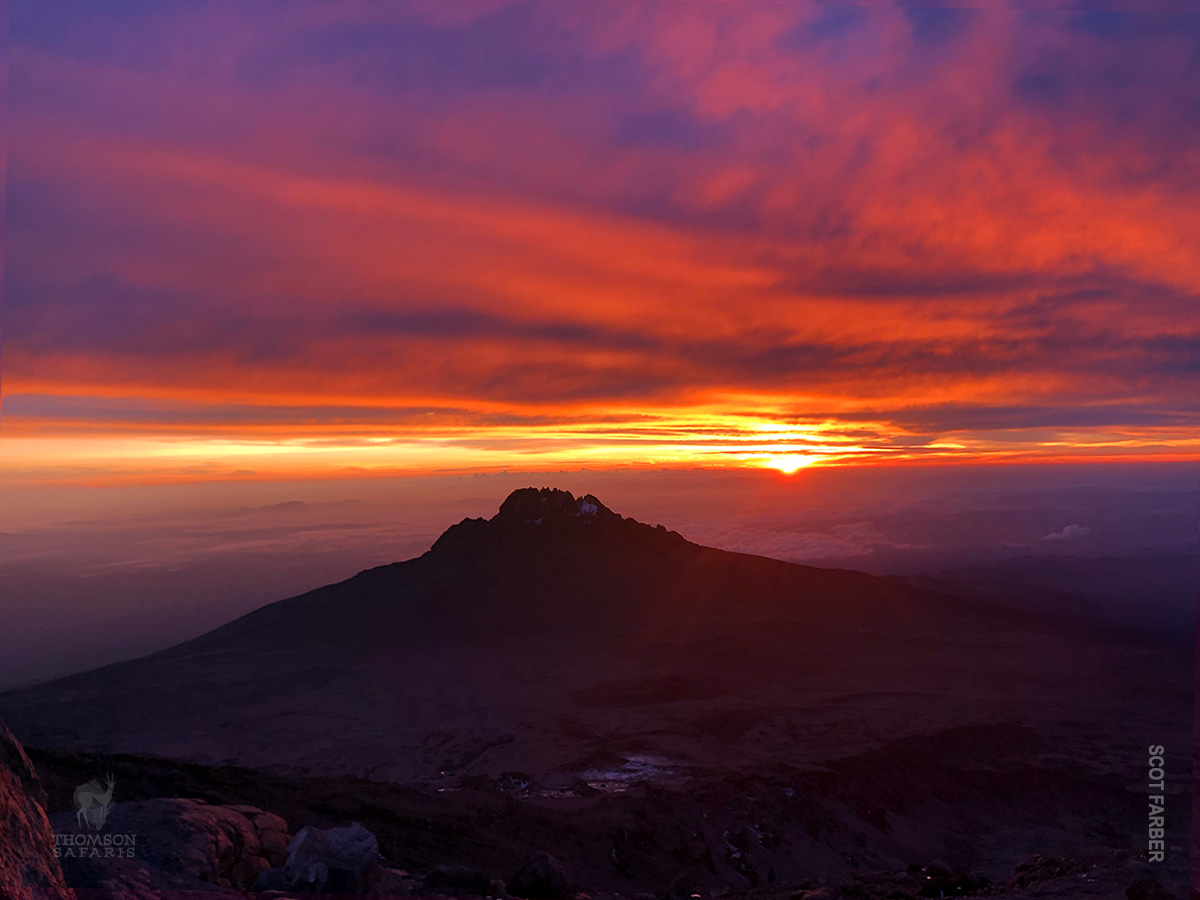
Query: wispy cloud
point(1069, 533)
point(610, 232)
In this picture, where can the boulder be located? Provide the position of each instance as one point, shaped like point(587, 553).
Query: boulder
point(265, 821)
point(274, 847)
point(332, 861)
point(28, 867)
point(540, 878)
point(172, 844)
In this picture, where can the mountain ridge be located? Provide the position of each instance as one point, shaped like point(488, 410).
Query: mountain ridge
point(557, 633)
point(541, 530)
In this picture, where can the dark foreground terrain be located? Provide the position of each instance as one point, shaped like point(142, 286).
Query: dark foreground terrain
point(657, 716)
point(949, 813)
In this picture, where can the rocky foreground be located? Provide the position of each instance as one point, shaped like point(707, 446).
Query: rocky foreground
point(780, 836)
point(28, 867)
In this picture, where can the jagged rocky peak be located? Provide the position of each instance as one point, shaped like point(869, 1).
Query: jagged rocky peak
point(546, 506)
point(539, 515)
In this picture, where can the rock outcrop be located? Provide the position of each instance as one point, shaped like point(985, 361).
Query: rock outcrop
point(28, 867)
point(173, 844)
point(334, 861)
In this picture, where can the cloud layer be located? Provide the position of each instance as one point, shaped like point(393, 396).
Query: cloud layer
point(399, 236)
point(143, 567)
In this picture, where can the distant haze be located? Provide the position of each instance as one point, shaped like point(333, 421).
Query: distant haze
point(93, 575)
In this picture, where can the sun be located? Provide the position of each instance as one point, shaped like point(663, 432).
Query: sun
point(788, 463)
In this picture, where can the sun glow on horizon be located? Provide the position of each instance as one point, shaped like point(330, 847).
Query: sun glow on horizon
point(191, 445)
point(789, 463)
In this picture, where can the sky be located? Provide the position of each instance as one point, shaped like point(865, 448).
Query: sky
point(289, 287)
point(301, 239)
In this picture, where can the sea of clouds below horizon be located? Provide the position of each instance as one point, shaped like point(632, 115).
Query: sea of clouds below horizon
point(102, 575)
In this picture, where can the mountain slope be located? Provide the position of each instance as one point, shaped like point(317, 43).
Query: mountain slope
point(561, 639)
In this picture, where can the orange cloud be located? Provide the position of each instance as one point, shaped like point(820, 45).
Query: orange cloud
point(358, 237)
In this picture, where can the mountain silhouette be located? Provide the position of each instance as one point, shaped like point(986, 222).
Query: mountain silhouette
point(558, 638)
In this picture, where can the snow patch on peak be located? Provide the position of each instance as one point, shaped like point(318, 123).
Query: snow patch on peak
point(550, 506)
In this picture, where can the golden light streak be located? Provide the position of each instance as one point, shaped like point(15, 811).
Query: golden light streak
point(664, 437)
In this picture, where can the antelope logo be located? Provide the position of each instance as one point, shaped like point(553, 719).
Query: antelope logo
point(93, 802)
